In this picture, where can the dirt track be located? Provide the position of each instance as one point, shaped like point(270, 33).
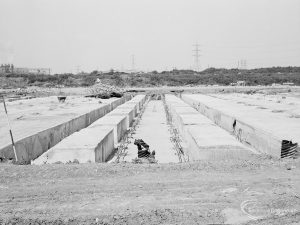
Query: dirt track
point(189, 193)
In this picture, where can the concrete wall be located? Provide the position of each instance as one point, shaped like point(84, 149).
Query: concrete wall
point(127, 112)
point(130, 108)
point(202, 138)
point(257, 138)
point(31, 147)
point(118, 123)
point(105, 147)
point(94, 143)
point(91, 144)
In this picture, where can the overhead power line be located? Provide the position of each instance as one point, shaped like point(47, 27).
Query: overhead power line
point(197, 57)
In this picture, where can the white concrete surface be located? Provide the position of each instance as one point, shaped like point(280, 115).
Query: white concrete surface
point(153, 129)
point(129, 108)
point(263, 129)
point(128, 112)
point(203, 139)
point(88, 145)
point(278, 124)
point(94, 143)
point(287, 104)
point(34, 115)
point(39, 124)
point(118, 123)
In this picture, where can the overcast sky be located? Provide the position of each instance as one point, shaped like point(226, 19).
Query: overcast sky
point(67, 35)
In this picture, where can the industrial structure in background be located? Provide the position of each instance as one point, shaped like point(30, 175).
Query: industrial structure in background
point(10, 68)
point(197, 57)
point(242, 64)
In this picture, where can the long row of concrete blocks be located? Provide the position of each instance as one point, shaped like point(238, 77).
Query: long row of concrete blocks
point(236, 119)
point(202, 139)
point(33, 146)
point(98, 141)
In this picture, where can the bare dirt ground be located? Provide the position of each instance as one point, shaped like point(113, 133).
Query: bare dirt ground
point(260, 190)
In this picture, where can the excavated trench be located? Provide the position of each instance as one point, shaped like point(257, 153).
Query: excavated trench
point(154, 127)
point(178, 133)
point(111, 138)
point(177, 129)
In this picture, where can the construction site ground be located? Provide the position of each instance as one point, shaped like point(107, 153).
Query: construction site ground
point(256, 190)
point(154, 130)
point(259, 190)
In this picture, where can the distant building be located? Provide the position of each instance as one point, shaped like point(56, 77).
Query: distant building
point(6, 68)
point(9, 68)
point(44, 71)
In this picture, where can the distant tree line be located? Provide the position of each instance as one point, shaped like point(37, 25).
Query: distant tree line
point(210, 76)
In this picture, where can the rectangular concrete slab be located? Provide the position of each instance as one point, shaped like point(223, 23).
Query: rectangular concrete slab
point(93, 144)
point(39, 124)
point(214, 143)
point(130, 106)
point(119, 124)
point(117, 121)
point(284, 103)
point(139, 99)
point(203, 139)
point(264, 130)
point(128, 112)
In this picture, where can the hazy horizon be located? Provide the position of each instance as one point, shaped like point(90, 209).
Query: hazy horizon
point(72, 35)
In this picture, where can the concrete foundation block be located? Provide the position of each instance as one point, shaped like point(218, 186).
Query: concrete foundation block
point(128, 112)
point(203, 139)
point(92, 144)
point(118, 123)
point(112, 126)
point(31, 147)
point(255, 137)
point(130, 106)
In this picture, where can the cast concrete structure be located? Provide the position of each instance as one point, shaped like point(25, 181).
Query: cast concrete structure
point(258, 127)
point(118, 123)
point(203, 140)
point(154, 130)
point(130, 108)
point(81, 146)
point(94, 143)
point(37, 129)
point(286, 104)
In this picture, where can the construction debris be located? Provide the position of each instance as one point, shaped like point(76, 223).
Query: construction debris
point(61, 99)
point(144, 160)
point(144, 154)
point(104, 91)
point(143, 149)
point(288, 149)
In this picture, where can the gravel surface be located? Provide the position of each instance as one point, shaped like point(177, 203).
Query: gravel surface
point(260, 190)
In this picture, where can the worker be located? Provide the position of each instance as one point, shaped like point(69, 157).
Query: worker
point(143, 149)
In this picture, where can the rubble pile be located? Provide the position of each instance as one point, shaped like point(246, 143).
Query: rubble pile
point(100, 90)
